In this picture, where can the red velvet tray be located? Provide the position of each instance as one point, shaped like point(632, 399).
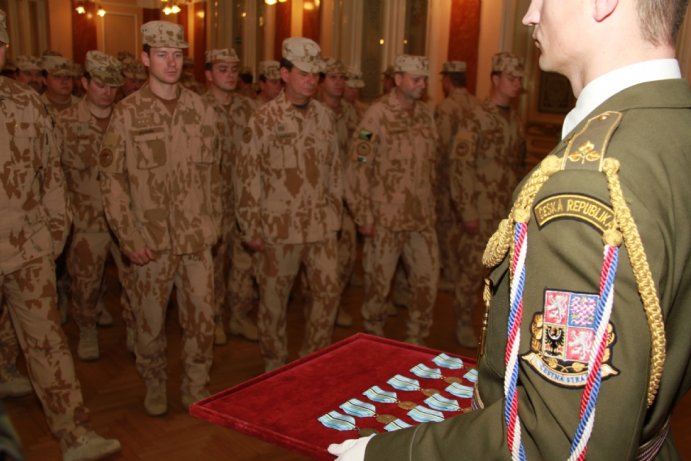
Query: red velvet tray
point(283, 406)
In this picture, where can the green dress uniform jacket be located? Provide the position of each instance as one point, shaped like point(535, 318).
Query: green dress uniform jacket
point(653, 144)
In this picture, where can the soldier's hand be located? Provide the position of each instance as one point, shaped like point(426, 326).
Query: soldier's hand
point(256, 244)
point(142, 256)
point(367, 230)
point(471, 227)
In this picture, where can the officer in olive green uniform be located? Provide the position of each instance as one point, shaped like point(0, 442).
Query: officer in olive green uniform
point(57, 78)
point(604, 283)
point(80, 130)
point(391, 180)
point(331, 91)
point(449, 116)
point(289, 199)
point(234, 276)
point(160, 168)
point(36, 221)
point(485, 160)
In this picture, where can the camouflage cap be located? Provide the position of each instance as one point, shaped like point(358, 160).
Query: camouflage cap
point(163, 34)
point(507, 62)
point(57, 65)
point(304, 53)
point(221, 55)
point(27, 63)
point(414, 65)
point(104, 68)
point(354, 78)
point(4, 36)
point(333, 66)
point(125, 56)
point(134, 70)
point(270, 70)
point(453, 67)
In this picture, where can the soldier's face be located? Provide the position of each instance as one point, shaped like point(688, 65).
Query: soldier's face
point(271, 87)
point(300, 85)
point(558, 28)
point(165, 64)
point(351, 94)
point(224, 75)
point(32, 78)
point(411, 86)
point(101, 96)
point(60, 85)
point(334, 85)
point(507, 85)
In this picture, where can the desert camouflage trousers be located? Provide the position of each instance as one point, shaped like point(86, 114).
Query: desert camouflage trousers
point(449, 233)
point(277, 267)
point(29, 297)
point(234, 282)
point(468, 289)
point(347, 248)
point(85, 262)
point(192, 275)
point(419, 252)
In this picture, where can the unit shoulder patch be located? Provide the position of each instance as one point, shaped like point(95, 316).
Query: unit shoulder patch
point(562, 338)
point(577, 207)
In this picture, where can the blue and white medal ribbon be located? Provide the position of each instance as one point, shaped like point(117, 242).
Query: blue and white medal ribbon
point(441, 403)
point(403, 383)
point(355, 407)
point(425, 415)
point(423, 371)
point(377, 394)
point(471, 375)
point(445, 361)
point(335, 420)
point(460, 390)
point(396, 425)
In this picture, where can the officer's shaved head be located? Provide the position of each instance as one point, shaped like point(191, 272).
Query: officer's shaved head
point(660, 20)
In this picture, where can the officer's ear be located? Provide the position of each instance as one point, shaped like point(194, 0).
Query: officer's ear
point(602, 9)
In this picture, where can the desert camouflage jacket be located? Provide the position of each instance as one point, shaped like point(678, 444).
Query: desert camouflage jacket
point(160, 173)
point(290, 179)
point(33, 204)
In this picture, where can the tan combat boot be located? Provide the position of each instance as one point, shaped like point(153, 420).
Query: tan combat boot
point(13, 383)
point(243, 326)
point(90, 447)
point(87, 349)
point(156, 400)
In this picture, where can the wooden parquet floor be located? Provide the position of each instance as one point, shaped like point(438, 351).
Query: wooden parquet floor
point(114, 392)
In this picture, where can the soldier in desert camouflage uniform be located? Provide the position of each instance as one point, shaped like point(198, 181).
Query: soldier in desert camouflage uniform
point(355, 83)
point(391, 192)
point(162, 196)
point(289, 199)
point(80, 130)
point(486, 158)
point(57, 78)
point(36, 222)
point(331, 91)
point(135, 76)
point(449, 115)
point(269, 81)
point(234, 277)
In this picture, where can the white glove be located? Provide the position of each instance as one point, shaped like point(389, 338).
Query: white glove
point(351, 449)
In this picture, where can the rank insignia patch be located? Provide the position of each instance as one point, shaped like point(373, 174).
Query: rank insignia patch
point(563, 337)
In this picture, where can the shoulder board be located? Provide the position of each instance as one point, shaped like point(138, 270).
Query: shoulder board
point(587, 149)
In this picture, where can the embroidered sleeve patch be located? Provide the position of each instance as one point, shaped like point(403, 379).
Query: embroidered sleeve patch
point(574, 206)
point(362, 151)
point(365, 135)
point(563, 337)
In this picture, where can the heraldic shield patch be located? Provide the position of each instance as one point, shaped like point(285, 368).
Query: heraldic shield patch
point(562, 339)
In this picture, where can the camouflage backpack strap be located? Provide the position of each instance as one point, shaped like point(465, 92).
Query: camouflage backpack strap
point(587, 151)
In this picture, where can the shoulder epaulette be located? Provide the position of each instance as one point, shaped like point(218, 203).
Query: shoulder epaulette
point(587, 149)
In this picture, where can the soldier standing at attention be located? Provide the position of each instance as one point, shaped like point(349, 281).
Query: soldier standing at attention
point(595, 356)
point(36, 223)
point(160, 167)
point(269, 81)
point(331, 90)
point(485, 162)
point(57, 78)
point(29, 72)
point(289, 198)
point(80, 131)
point(458, 103)
point(391, 193)
point(234, 278)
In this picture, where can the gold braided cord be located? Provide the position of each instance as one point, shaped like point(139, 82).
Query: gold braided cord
point(642, 274)
point(498, 244)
